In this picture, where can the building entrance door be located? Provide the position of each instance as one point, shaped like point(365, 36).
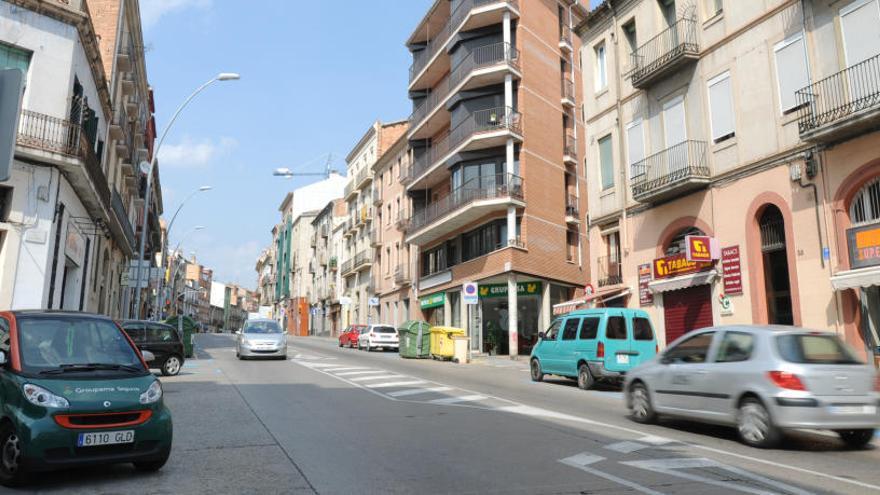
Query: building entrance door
point(475, 327)
point(686, 309)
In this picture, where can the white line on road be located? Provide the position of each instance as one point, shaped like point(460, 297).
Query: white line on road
point(318, 365)
point(672, 467)
point(626, 447)
point(365, 372)
point(334, 370)
point(455, 400)
point(394, 384)
point(377, 377)
point(583, 462)
point(417, 391)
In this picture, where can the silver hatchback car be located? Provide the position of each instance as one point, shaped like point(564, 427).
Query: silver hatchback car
point(261, 338)
point(762, 380)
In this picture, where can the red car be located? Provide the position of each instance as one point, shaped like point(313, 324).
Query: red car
point(349, 337)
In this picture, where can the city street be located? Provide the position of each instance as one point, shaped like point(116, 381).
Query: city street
point(332, 420)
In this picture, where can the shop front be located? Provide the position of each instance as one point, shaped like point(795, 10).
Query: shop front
point(683, 288)
point(862, 283)
point(494, 307)
point(432, 307)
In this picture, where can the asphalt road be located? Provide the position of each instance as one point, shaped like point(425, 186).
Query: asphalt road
point(333, 420)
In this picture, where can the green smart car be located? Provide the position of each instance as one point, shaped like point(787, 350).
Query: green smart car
point(74, 390)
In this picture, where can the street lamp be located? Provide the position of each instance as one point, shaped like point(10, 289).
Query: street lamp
point(223, 76)
point(163, 247)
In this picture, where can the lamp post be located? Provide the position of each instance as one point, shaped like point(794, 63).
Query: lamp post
point(223, 76)
point(163, 247)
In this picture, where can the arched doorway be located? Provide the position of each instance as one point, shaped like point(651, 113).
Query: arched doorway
point(864, 216)
point(687, 305)
point(774, 259)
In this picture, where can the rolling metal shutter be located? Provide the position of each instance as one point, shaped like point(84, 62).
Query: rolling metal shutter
point(686, 310)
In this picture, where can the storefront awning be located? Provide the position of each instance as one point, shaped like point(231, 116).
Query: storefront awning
point(682, 282)
point(851, 279)
point(568, 306)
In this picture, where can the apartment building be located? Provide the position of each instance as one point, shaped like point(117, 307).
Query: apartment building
point(265, 269)
point(197, 291)
point(496, 182)
point(395, 258)
point(358, 257)
point(65, 233)
point(324, 265)
point(747, 126)
point(303, 268)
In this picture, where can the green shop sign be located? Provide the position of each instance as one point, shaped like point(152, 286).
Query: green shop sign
point(500, 290)
point(433, 301)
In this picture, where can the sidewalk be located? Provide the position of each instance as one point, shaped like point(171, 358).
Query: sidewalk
point(502, 362)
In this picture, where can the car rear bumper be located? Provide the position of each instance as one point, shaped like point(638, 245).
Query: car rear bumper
point(389, 344)
point(832, 413)
point(597, 368)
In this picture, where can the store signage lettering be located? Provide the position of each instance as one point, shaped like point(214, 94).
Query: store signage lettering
point(864, 246)
point(697, 248)
point(646, 297)
point(500, 290)
point(731, 267)
point(675, 265)
point(433, 301)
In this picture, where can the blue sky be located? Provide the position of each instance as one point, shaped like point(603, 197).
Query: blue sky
point(315, 75)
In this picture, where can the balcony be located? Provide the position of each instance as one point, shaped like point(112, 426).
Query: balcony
point(565, 39)
point(481, 66)
point(332, 264)
point(375, 237)
point(363, 259)
point(377, 195)
point(609, 272)
point(487, 128)
point(122, 217)
point(350, 191)
point(40, 134)
point(671, 173)
point(364, 177)
point(665, 53)
point(842, 105)
point(572, 210)
point(402, 223)
point(347, 267)
point(405, 175)
point(124, 57)
point(325, 230)
point(568, 100)
point(569, 149)
point(401, 275)
point(464, 205)
point(467, 15)
point(347, 227)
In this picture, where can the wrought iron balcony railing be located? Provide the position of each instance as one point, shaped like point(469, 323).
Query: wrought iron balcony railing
point(841, 97)
point(571, 206)
point(487, 120)
point(609, 272)
point(377, 195)
point(402, 221)
point(569, 144)
point(363, 258)
point(475, 58)
point(347, 266)
point(673, 170)
point(122, 217)
point(406, 174)
point(568, 90)
point(479, 188)
point(401, 274)
point(664, 52)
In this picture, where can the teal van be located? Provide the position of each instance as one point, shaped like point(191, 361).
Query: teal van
point(75, 391)
point(594, 345)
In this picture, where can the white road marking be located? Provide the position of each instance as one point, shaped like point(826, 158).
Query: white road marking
point(317, 365)
point(377, 377)
point(365, 372)
point(454, 400)
point(626, 447)
point(334, 370)
point(655, 440)
point(394, 384)
point(672, 467)
point(583, 462)
point(417, 391)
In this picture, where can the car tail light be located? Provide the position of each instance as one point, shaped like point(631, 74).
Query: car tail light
point(600, 350)
point(656, 348)
point(784, 379)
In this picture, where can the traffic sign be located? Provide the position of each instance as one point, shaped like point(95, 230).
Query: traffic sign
point(470, 293)
point(373, 301)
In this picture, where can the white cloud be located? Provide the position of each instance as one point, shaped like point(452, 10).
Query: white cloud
point(190, 153)
point(153, 10)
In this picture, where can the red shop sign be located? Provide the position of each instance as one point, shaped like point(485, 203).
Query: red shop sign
point(678, 264)
point(731, 268)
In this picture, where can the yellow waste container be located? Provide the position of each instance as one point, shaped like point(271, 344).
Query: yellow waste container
point(442, 345)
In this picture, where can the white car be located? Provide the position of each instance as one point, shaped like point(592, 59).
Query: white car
point(379, 336)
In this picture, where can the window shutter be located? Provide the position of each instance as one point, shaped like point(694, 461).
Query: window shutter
point(721, 107)
point(635, 143)
point(791, 71)
point(606, 162)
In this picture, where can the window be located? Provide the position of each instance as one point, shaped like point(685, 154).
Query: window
point(160, 333)
point(635, 148)
point(692, 350)
point(735, 347)
point(815, 349)
point(569, 332)
point(615, 329)
point(589, 329)
point(642, 329)
point(14, 58)
point(713, 8)
point(865, 207)
point(553, 331)
point(606, 163)
point(601, 68)
point(629, 32)
point(677, 245)
point(571, 245)
point(721, 108)
point(792, 72)
point(434, 260)
point(388, 216)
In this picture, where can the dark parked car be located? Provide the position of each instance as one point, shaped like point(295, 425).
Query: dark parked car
point(160, 339)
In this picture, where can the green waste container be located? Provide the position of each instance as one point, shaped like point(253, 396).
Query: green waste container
point(415, 339)
point(442, 345)
point(189, 326)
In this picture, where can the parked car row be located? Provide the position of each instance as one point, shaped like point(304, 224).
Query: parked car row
point(370, 337)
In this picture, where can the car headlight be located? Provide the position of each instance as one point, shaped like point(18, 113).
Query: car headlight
point(153, 394)
point(39, 396)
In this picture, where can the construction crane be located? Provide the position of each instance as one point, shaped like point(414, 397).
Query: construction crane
point(289, 174)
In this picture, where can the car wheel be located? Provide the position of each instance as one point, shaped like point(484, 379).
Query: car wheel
point(171, 366)
point(585, 378)
point(154, 465)
point(11, 472)
point(856, 439)
point(755, 425)
point(535, 371)
point(340, 343)
point(642, 409)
